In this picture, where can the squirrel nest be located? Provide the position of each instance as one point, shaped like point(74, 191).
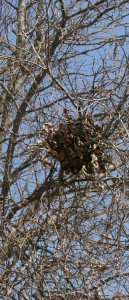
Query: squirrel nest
point(77, 144)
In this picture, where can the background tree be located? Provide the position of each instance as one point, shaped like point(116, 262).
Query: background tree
point(64, 150)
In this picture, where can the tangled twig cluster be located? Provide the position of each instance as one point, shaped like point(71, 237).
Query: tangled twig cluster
point(77, 143)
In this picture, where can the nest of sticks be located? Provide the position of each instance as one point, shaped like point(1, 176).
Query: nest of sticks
point(77, 144)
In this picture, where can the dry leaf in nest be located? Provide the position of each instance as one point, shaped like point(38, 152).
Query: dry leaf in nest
point(45, 162)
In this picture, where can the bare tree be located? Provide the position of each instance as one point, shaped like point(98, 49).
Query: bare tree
point(64, 150)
